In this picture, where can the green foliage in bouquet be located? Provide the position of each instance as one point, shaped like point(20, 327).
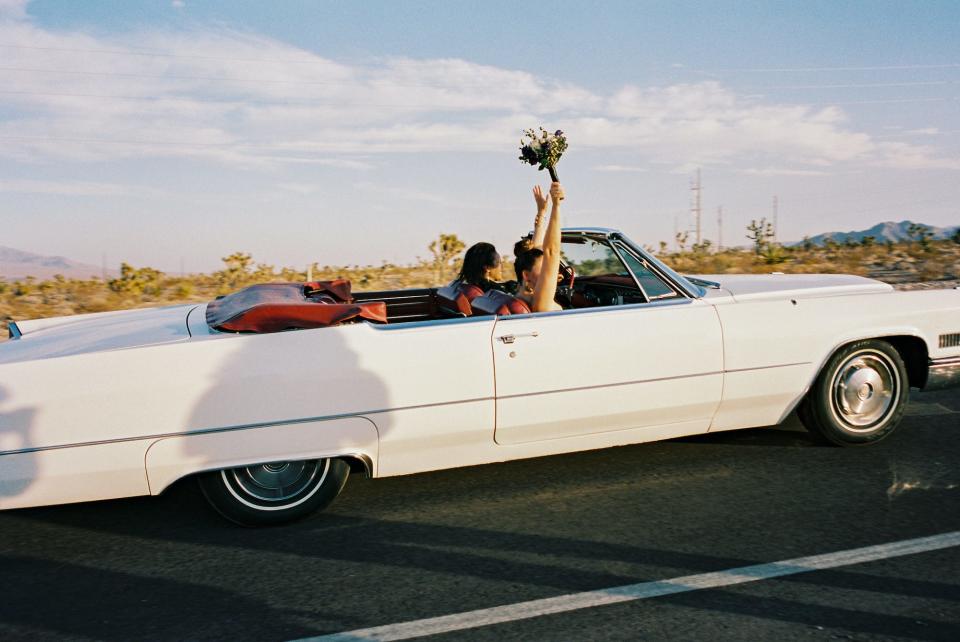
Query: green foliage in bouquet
point(543, 149)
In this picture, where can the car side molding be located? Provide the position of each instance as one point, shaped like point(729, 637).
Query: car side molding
point(943, 373)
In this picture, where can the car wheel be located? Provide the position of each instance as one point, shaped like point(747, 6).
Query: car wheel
point(859, 396)
point(275, 492)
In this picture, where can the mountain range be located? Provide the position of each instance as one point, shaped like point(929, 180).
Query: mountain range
point(881, 232)
point(17, 264)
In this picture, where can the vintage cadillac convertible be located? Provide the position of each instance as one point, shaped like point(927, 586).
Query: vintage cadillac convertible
point(271, 396)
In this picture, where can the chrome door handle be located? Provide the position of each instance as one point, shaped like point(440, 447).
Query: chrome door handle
point(510, 338)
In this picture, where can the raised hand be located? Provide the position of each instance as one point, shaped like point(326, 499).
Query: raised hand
point(556, 193)
point(539, 197)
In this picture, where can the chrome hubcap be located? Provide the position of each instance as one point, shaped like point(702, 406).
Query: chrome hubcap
point(865, 387)
point(276, 481)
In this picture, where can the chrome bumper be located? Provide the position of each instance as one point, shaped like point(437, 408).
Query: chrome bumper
point(943, 373)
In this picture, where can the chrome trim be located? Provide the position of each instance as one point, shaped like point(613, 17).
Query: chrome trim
point(360, 414)
point(609, 385)
point(626, 266)
point(664, 270)
point(364, 459)
point(704, 283)
point(785, 365)
point(409, 325)
point(606, 309)
point(13, 330)
point(943, 373)
point(951, 340)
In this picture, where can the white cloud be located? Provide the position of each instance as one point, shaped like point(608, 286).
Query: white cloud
point(74, 188)
point(303, 189)
point(782, 171)
point(247, 100)
point(621, 168)
point(13, 9)
point(178, 4)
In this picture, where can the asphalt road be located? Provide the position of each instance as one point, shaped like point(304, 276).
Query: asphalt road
point(400, 549)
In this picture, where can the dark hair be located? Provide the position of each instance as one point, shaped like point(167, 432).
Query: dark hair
point(525, 261)
point(478, 258)
point(523, 245)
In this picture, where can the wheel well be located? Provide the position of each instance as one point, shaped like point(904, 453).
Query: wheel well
point(358, 466)
point(914, 353)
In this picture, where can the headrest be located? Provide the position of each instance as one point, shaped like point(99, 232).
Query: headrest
point(499, 303)
point(457, 296)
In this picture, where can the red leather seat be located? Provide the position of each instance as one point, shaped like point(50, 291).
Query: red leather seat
point(499, 303)
point(454, 299)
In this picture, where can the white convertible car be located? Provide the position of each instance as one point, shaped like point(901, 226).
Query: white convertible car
point(271, 396)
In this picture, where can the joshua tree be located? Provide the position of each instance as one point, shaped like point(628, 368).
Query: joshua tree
point(921, 234)
point(761, 233)
point(445, 249)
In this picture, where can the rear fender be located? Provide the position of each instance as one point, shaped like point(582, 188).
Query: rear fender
point(173, 458)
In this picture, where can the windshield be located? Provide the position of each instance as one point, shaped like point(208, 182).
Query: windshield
point(691, 288)
point(590, 257)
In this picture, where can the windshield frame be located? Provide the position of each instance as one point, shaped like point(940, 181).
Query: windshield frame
point(665, 272)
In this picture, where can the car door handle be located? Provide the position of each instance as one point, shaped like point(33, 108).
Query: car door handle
point(510, 338)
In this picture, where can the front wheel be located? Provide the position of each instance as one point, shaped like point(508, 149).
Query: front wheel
point(859, 396)
point(275, 492)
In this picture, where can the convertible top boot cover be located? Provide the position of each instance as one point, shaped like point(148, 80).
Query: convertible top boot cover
point(274, 307)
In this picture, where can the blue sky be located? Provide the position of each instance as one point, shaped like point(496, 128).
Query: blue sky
point(353, 132)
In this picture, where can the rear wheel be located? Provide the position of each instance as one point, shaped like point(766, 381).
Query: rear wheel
point(275, 492)
point(860, 395)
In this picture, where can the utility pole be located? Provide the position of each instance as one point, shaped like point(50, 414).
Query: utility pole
point(676, 231)
point(775, 228)
point(103, 267)
point(696, 189)
point(720, 228)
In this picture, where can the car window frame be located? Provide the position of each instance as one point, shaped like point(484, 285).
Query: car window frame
point(620, 246)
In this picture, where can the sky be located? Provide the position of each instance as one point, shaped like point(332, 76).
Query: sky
point(173, 133)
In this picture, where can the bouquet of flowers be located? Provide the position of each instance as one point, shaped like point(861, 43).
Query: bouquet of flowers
point(543, 149)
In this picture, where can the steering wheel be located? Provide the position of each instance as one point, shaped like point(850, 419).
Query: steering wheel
point(565, 279)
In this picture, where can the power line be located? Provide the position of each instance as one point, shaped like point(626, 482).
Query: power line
point(160, 54)
point(695, 187)
point(949, 65)
point(163, 54)
point(720, 228)
point(922, 83)
point(370, 82)
point(245, 101)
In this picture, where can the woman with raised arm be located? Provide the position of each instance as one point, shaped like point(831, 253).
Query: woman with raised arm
point(481, 263)
point(537, 268)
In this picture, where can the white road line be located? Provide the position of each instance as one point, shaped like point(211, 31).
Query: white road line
point(644, 590)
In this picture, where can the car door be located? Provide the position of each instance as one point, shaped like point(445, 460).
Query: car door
point(600, 369)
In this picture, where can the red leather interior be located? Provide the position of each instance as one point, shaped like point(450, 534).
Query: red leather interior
point(456, 297)
point(499, 303)
point(273, 307)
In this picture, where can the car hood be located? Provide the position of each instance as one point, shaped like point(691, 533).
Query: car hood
point(780, 286)
point(64, 336)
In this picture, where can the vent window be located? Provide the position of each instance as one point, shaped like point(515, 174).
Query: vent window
point(950, 340)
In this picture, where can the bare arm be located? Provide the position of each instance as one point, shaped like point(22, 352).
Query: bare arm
point(546, 288)
point(539, 227)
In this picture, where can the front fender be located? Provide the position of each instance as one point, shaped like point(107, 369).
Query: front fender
point(173, 458)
